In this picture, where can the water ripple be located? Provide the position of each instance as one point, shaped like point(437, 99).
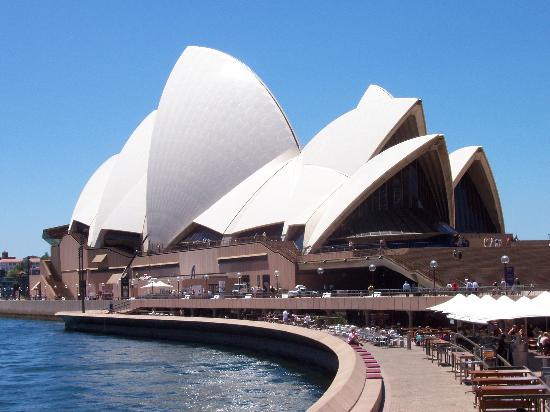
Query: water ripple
point(45, 368)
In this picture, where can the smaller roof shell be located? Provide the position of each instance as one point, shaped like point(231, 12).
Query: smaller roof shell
point(88, 202)
point(367, 179)
point(122, 205)
point(461, 161)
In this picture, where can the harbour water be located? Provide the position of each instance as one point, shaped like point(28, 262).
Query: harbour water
point(45, 368)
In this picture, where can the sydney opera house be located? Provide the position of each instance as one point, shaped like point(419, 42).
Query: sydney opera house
point(212, 186)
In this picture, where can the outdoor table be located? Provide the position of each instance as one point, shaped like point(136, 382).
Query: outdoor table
point(467, 366)
point(516, 392)
point(439, 347)
point(505, 380)
point(460, 360)
point(455, 358)
point(502, 372)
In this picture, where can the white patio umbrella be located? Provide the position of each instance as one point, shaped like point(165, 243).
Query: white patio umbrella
point(447, 307)
point(541, 305)
point(161, 284)
point(156, 284)
point(470, 310)
point(503, 308)
point(524, 308)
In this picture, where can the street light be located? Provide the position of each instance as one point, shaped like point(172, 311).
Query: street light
point(178, 278)
point(276, 272)
point(320, 272)
point(206, 281)
point(433, 266)
point(504, 259)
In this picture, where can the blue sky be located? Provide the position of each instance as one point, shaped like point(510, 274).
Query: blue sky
point(77, 77)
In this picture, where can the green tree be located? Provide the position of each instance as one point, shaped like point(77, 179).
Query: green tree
point(12, 273)
point(46, 255)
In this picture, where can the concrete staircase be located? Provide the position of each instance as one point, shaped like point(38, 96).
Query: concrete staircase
point(531, 262)
point(55, 282)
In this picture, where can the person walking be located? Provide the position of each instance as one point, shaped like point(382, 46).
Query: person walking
point(406, 287)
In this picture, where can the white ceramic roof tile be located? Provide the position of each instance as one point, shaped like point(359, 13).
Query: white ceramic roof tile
point(122, 205)
point(216, 125)
point(87, 205)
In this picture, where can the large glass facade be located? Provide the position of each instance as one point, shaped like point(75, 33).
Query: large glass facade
point(404, 203)
point(471, 214)
point(408, 130)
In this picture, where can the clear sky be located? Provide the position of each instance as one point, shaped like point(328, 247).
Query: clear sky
point(77, 77)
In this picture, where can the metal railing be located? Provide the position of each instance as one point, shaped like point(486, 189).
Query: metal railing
point(477, 350)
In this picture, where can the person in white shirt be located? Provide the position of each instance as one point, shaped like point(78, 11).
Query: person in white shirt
point(285, 316)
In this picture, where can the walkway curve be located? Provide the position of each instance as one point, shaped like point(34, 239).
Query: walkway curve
point(348, 391)
point(415, 384)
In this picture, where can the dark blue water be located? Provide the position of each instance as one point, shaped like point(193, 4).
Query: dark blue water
point(44, 368)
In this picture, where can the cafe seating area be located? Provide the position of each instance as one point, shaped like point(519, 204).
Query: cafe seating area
point(496, 388)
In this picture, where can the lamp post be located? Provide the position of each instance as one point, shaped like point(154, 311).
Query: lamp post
point(239, 280)
point(433, 266)
point(504, 259)
point(178, 278)
point(276, 272)
point(372, 269)
point(320, 272)
point(206, 281)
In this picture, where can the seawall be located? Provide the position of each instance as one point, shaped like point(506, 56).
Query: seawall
point(349, 390)
point(46, 309)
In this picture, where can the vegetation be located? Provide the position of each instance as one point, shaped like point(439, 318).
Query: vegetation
point(12, 273)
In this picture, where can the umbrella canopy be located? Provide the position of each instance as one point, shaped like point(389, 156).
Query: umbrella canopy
point(469, 310)
point(161, 284)
point(156, 284)
point(447, 307)
point(524, 308)
point(541, 305)
point(503, 308)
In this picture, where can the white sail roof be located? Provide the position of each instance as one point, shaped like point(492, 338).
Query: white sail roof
point(88, 202)
point(216, 125)
point(364, 182)
point(461, 161)
point(122, 205)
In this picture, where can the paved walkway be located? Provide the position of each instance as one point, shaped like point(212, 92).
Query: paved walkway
point(413, 383)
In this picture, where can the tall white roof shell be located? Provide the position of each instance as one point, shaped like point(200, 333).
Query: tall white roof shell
point(365, 181)
point(122, 205)
point(88, 202)
point(216, 125)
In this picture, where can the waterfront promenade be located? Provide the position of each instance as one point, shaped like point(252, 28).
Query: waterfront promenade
point(414, 384)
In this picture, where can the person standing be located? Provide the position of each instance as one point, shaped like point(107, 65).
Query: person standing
point(285, 317)
point(406, 288)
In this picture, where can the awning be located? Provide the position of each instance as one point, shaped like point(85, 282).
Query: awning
point(242, 256)
point(99, 258)
point(115, 277)
point(35, 286)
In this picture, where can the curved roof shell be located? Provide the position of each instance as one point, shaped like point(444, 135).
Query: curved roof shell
point(345, 145)
point(122, 205)
point(462, 161)
point(352, 139)
point(216, 125)
point(367, 179)
point(87, 205)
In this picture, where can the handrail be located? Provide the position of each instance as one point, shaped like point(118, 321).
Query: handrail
point(476, 348)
